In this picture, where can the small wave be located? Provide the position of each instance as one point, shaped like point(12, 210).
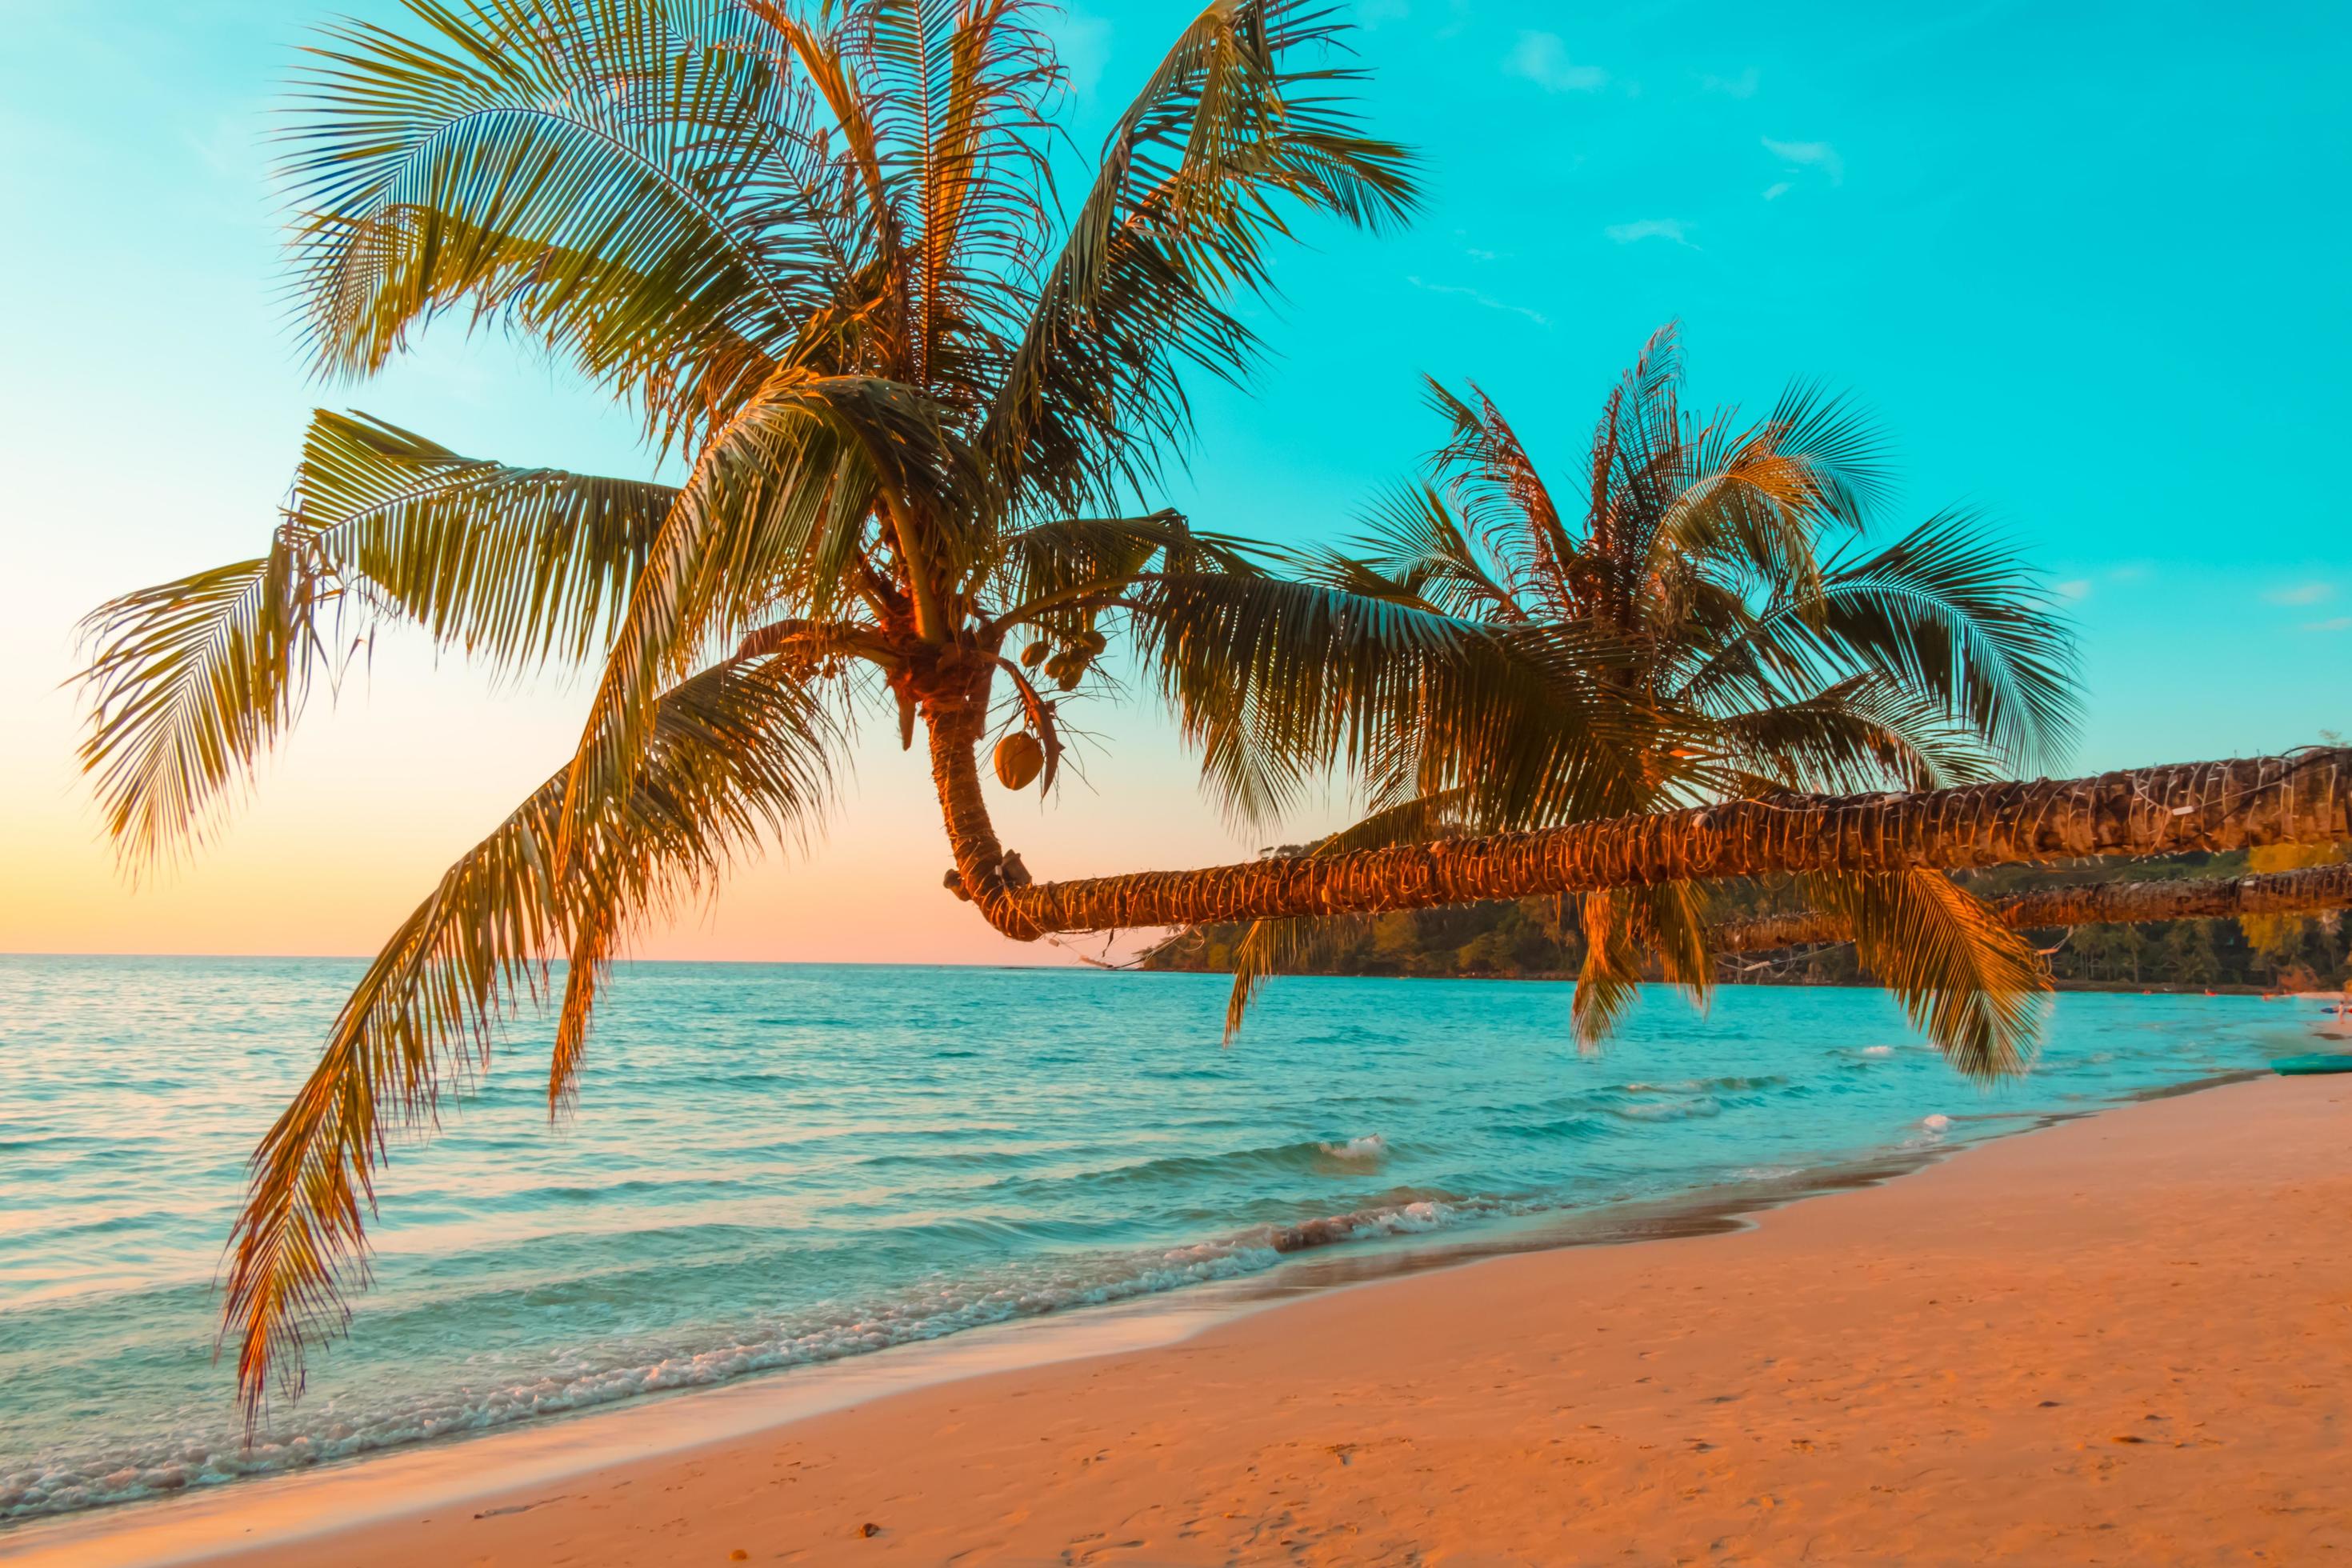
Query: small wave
point(1350, 1034)
point(1690, 1110)
point(1306, 1158)
point(1578, 1126)
point(113, 1470)
point(1711, 1085)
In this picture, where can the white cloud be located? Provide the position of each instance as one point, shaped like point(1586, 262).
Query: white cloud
point(1744, 85)
point(2073, 588)
point(1543, 59)
point(1810, 155)
point(1775, 190)
point(1650, 229)
point(2333, 624)
point(2303, 594)
point(1477, 297)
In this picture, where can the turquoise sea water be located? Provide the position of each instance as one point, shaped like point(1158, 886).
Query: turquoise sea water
point(773, 1165)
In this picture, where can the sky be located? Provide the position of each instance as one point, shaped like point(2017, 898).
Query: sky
point(2086, 263)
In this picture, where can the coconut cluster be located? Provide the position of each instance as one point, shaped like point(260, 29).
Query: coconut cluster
point(1067, 666)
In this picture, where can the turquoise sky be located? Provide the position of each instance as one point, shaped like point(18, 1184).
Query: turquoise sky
point(2087, 261)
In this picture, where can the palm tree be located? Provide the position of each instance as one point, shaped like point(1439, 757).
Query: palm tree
point(1725, 558)
point(819, 254)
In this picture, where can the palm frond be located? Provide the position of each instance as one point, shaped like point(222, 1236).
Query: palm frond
point(1490, 473)
point(1948, 612)
point(739, 752)
point(1232, 126)
point(515, 566)
point(1414, 540)
point(1280, 682)
point(1862, 733)
point(603, 174)
point(1664, 921)
point(189, 683)
point(1060, 574)
point(956, 93)
point(1845, 449)
point(1974, 987)
point(759, 525)
point(193, 680)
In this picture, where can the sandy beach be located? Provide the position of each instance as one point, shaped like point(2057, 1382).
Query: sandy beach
point(2124, 1339)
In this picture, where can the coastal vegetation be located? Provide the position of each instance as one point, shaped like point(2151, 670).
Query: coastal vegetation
point(918, 406)
point(1540, 938)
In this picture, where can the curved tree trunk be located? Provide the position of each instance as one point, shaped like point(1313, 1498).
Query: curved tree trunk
point(952, 700)
point(2305, 798)
point(2307, 891)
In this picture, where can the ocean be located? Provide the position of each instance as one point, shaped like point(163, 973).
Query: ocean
point(776, 1165)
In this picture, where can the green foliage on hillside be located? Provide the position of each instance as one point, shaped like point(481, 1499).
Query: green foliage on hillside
point(1539, 939)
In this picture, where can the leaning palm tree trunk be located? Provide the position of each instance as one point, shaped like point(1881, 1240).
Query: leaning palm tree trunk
point(2311, 890)
point(2302, 798)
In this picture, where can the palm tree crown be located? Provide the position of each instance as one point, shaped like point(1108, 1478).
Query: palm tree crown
point(1756, 646)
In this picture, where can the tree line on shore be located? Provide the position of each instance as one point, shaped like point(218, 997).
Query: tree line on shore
point(1542, 939)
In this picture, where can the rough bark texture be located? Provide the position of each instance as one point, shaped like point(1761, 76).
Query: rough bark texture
point(2309, 891)
point(2302, 798)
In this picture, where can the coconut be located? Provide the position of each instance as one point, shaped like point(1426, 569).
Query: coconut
point(1018, 758)
point(1034, 655)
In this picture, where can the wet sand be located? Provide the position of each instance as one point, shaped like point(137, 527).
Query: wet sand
point(2123, 1338)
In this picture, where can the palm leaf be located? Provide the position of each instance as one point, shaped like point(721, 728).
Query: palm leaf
point(1945, 611)
point(189, 683)
point(1488, 470)
point(1280, 682)
point(1229, 129)
point(739, 752)
point(1416, 541)
point(1667, 921)
point(1971, 984)
point(1860, 735)
point(516, 565)
point(193, 679)
point(601, 173)
point(763, 522)
point(1059, 574)
point(1297, 943)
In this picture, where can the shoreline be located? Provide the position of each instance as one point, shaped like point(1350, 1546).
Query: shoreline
point(450, 1471)
point(493, 1486)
